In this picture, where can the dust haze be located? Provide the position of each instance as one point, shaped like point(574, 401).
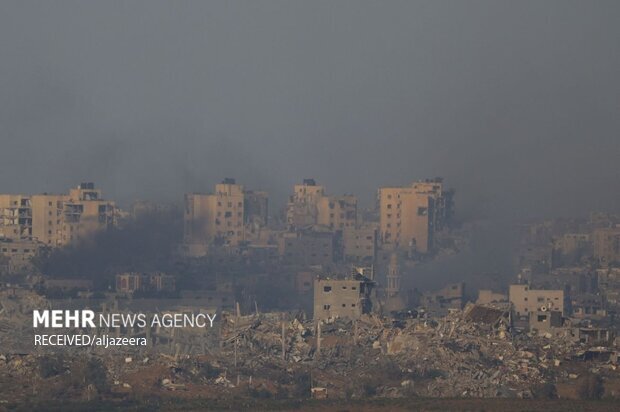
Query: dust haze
point(515, 104)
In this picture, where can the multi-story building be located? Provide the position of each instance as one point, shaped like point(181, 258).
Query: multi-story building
point(406, 219)
point(15, 217)
point(443, 200)
point(607, 244)
point(526, 300)
point(337, 212)
point(360, 243)
point(410, 215)
point(256, 208)
point(309, 205)
point(307, 247)
point(84, 212)
point(302, 208)
point(256, 216)
point(343, 298)
point(56, 220)
point(569, 248)
point(217, 218)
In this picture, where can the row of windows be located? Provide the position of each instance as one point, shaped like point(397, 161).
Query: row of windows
point(327, 289)
point(228, 214)
point(230, 204)
point(5, 250)
point(390, 225)
point(327, 307)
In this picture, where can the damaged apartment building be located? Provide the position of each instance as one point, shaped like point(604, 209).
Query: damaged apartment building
point(30, 222)
point(310, 205)
point(311, 209)
point(228, 217)
point(347, 297)
point(410, 215)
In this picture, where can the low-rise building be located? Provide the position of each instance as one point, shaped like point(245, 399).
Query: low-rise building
point(526, 300)
point(343, 298)
point(144, 282)
point(18, 254)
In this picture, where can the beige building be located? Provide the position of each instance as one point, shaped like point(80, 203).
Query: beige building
point(360, 243)
point(16, 255)
point(15, 217)
point(84, 213)
point(215, 218)
point(406, 219)
point(337, 212)
point(607, 244)
point(545, 321)
point(342, 298)
point(308, 247)
point(526, 300)
point(410, 215)
point(302, 208)
point(309, 205)
point(56, 220)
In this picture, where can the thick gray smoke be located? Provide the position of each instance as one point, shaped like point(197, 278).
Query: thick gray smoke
point(515, 103)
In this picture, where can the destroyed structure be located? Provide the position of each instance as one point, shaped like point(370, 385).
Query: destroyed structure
point(29, 223)
point(307, 301)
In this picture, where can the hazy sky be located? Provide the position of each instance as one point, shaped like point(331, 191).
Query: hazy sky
point(515, 103)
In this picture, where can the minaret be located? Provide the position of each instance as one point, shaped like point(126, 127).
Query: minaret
point(394, 300)
point(393, 276)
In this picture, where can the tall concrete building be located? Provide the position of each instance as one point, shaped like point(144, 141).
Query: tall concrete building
point(56, 220)
point(84, 212)
point(410, 215)
point(406, 219)
point(15, 217)
point(216, 218)
point(337, 212)
point(310, 205)
point(302, 208)
point(360, 243)
point(606, 243)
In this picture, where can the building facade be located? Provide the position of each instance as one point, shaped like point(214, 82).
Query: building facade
point(342, 298)
point(216, 218)
point(56, 220)
point(526, 300)
point(309, 205)
point(360, 243)
point(607, 245)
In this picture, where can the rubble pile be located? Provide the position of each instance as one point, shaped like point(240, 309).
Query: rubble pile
point(455, 356)
point(470, 353)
